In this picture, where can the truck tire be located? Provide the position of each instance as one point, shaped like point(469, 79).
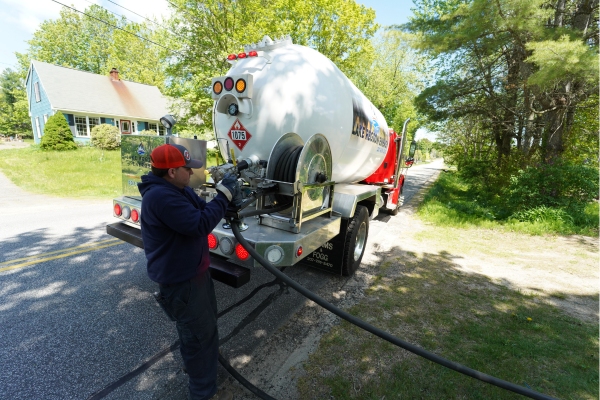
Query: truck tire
point(356, 240)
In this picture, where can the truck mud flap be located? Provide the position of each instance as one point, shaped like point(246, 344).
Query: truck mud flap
point(220, 269)
point(329, 257)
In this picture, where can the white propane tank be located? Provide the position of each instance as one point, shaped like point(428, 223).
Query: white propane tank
point(292, 88)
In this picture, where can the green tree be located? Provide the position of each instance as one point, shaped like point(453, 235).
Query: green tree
point(57, 134)
point(520, 67)
point(14, 111)
point(77, 41)
point(394, 78)
point(206, 31)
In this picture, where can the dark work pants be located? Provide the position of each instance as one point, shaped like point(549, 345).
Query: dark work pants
point(193, 305)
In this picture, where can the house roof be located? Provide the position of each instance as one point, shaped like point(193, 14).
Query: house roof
point(73, 90)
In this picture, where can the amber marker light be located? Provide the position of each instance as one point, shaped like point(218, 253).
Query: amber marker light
point(218, 87)
point(240, 85)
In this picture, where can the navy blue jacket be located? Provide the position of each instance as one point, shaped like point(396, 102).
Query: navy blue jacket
point(175, 227)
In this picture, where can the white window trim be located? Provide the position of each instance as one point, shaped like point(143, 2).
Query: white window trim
point(45, 118)
point(37, 126)
point(36, 89)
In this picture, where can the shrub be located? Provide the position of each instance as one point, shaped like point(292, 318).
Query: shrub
point(560, 185)
point(148, 132)
point(106, 137)
point(57, 134)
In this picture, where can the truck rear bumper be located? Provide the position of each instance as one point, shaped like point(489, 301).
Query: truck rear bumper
point(221, 270)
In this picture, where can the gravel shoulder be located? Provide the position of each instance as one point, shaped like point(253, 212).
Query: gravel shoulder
point(562, 271)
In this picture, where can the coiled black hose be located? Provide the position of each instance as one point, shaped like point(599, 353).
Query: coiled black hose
point(382, 334)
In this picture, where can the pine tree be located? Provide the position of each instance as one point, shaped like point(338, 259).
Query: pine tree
point(57, 134)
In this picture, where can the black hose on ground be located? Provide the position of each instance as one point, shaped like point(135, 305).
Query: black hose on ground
point(238, 377)
point(382, 334)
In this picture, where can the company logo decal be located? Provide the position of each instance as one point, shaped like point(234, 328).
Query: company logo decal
point(239, 135)
point(367, 128)
point(186, 155)
point(140, 150)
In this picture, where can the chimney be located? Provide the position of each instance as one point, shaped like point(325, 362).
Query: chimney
point(114, 74)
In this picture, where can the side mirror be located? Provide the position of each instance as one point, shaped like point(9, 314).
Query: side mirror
point(412, 150)
point(409, 162)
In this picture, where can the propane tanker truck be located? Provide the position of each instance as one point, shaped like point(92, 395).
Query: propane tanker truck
point(315, 158)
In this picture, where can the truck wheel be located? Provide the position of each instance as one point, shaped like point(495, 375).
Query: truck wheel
point(356, 240)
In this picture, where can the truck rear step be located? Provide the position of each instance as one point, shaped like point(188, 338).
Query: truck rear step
point(221, 270)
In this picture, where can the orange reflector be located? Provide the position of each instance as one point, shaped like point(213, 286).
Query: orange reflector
point(218, 87)
point(212, 241)
point(241, 252)
point(135, 215)
point(240, 85)
point(117, 209)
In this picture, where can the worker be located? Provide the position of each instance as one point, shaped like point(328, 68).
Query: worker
point(175, 225)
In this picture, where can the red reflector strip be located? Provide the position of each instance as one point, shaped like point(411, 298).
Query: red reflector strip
point(212, 241)
point(241, 252)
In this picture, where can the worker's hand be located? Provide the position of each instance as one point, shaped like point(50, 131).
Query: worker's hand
point(229, 186)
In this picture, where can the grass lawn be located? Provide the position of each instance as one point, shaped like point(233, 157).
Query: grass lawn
point(83, 173)
point(428, 300)
point(483, 293)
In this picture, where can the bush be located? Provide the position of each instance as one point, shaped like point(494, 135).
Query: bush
point(106, 137)
point(147, 132)
point(560, 185)
point(57, 134)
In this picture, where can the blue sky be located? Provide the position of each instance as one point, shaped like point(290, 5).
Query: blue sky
point(20, 18)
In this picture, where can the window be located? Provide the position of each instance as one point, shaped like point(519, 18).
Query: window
point(37, 127)
point(81, 126)
point(161, 130)
point(93, 122)
point(152, 127)
point(36, 88)
point(133, 126)
point(45, 118)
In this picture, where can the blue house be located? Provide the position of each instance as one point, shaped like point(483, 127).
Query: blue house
point(88, 99)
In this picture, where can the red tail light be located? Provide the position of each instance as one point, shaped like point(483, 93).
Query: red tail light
point(242, 55)
point(241, 252)
point(135, 215)
point(212, 241)
point(117, 209)
point(253, 53)
point(299, 251)
point(232, 57)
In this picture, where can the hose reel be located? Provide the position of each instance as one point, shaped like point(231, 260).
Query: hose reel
point(303, 172)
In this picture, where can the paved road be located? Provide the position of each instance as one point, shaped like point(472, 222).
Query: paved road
point(77, 316)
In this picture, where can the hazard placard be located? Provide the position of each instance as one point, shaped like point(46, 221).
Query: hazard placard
point(239, 135)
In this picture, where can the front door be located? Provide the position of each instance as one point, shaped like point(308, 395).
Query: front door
point(125, 127)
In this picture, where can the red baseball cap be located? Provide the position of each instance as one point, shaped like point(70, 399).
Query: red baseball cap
point(173, 156)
